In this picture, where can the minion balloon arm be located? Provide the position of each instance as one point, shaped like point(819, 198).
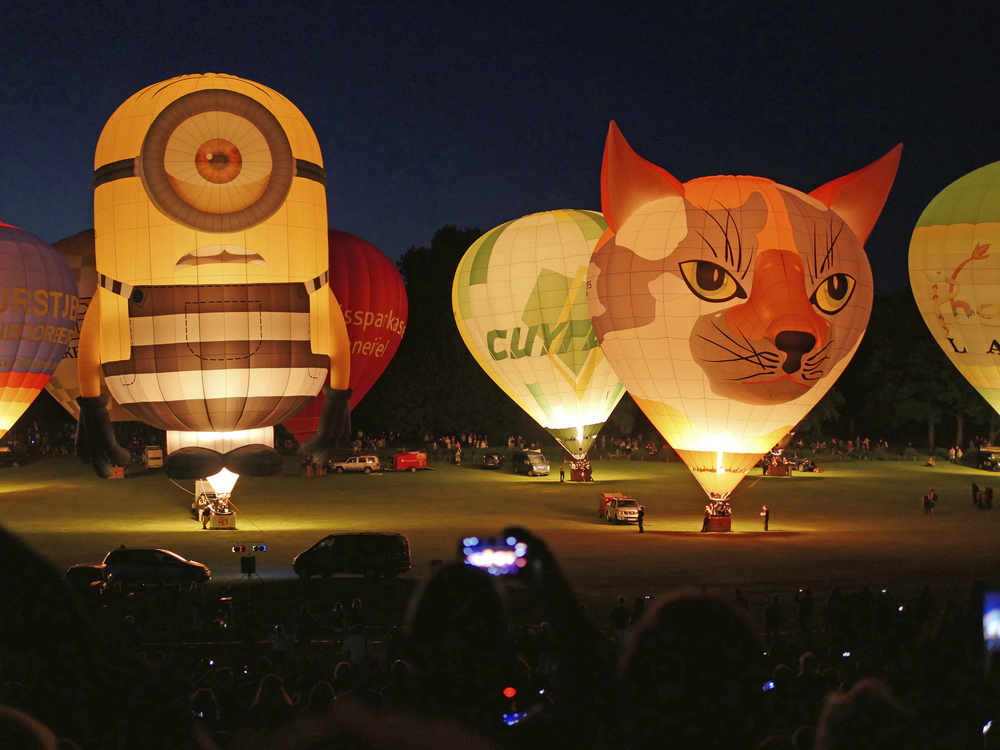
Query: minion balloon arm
point(335, 419)
point(95, 438)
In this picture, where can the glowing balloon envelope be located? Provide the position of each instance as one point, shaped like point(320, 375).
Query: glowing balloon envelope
point(955, 276)
point(38, 309)
point(729, 305)
point(520, 302)
point(213, 317)
point(64, 385)
point(372, 296)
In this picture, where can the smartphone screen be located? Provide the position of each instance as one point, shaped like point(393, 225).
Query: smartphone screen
point(991, 621)
point(499, 557)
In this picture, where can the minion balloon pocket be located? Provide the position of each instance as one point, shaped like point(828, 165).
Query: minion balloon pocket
point(213, 318)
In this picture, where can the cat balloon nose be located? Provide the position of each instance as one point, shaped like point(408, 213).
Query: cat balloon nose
point(794, 344)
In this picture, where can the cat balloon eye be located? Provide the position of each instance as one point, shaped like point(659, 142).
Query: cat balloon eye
point(833, 293)
point(710, 281)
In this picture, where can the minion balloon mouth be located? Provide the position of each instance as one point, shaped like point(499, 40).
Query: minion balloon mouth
point(220, 254)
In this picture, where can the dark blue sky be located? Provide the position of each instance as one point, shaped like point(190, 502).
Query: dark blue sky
point(451, 113)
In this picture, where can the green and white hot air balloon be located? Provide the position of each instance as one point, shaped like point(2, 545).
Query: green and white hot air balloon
point(520, 302)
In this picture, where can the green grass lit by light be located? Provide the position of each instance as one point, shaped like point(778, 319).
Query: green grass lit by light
point(856, 523)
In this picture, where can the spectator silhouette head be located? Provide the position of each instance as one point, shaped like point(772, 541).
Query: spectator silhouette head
point(459, 647)
point(343, 677)
point(19, 731)
point(320, 697)
point(271, 692)
point(204, 706)
point(868, 716)
point(691, 678)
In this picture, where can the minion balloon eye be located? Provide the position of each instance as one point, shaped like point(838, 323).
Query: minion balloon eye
point(216, 161)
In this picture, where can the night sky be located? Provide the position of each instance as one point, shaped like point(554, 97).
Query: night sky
point(452, 113)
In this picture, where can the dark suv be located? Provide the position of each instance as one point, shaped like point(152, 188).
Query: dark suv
point(153, 566)
point(370, 555)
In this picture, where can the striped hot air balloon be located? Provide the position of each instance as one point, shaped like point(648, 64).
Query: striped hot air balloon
point(38, 309)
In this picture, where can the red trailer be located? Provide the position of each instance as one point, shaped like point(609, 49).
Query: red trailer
point(409, 461)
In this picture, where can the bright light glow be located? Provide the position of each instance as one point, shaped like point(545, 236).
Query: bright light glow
point(492, 558)
point(719, 467)
point(223, 482)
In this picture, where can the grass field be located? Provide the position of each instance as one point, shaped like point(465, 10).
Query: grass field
point(856, 523)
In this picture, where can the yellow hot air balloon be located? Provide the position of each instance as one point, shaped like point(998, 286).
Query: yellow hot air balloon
point(955, 276)
point(729, 305)
point(520, 303)
point(213, 318)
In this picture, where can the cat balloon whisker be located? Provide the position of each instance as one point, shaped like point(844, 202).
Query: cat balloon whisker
point(745, 345)
point(824, 353)
point(753, 353)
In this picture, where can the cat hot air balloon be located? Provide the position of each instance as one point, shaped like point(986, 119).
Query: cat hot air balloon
point(729, 305)
point(955, 276)
point(520, 302)
point(213, 318)
point(38, 310)
point(373, 296)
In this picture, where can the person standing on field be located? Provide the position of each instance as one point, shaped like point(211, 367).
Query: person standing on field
point(642, 515)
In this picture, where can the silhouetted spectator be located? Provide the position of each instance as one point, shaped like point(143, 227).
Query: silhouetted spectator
point(281, 643)
point(355, 650)
point(356, 615)
point(20, 731)
point(398, 692)
point(320, 697)
point(459, 647)
point(869, 717)
point(205, 709)
point(690, 678)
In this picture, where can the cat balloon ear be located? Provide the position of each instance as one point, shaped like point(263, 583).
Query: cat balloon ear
point(628, 181)
point(858, 198)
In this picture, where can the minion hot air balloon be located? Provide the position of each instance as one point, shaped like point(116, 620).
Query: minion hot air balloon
point(729, 305)
point(213, 319)
point(38, 310)
point(955, 276)
point(520, 302)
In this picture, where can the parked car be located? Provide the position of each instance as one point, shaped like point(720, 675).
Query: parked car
point(531, 463)
point(153, 566)
point(87, 581)
point(989, 458)
point(8, 457)
point(368, 554)
point(492, 461)
point(622, 510)
point(367, 464)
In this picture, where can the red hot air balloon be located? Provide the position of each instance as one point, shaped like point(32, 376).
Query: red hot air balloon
point(373, 298)
point(38, 308)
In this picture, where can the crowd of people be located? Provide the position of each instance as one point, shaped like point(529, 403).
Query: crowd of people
point(688, 671)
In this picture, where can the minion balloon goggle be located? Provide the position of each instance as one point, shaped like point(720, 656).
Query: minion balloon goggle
point(238, 178)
